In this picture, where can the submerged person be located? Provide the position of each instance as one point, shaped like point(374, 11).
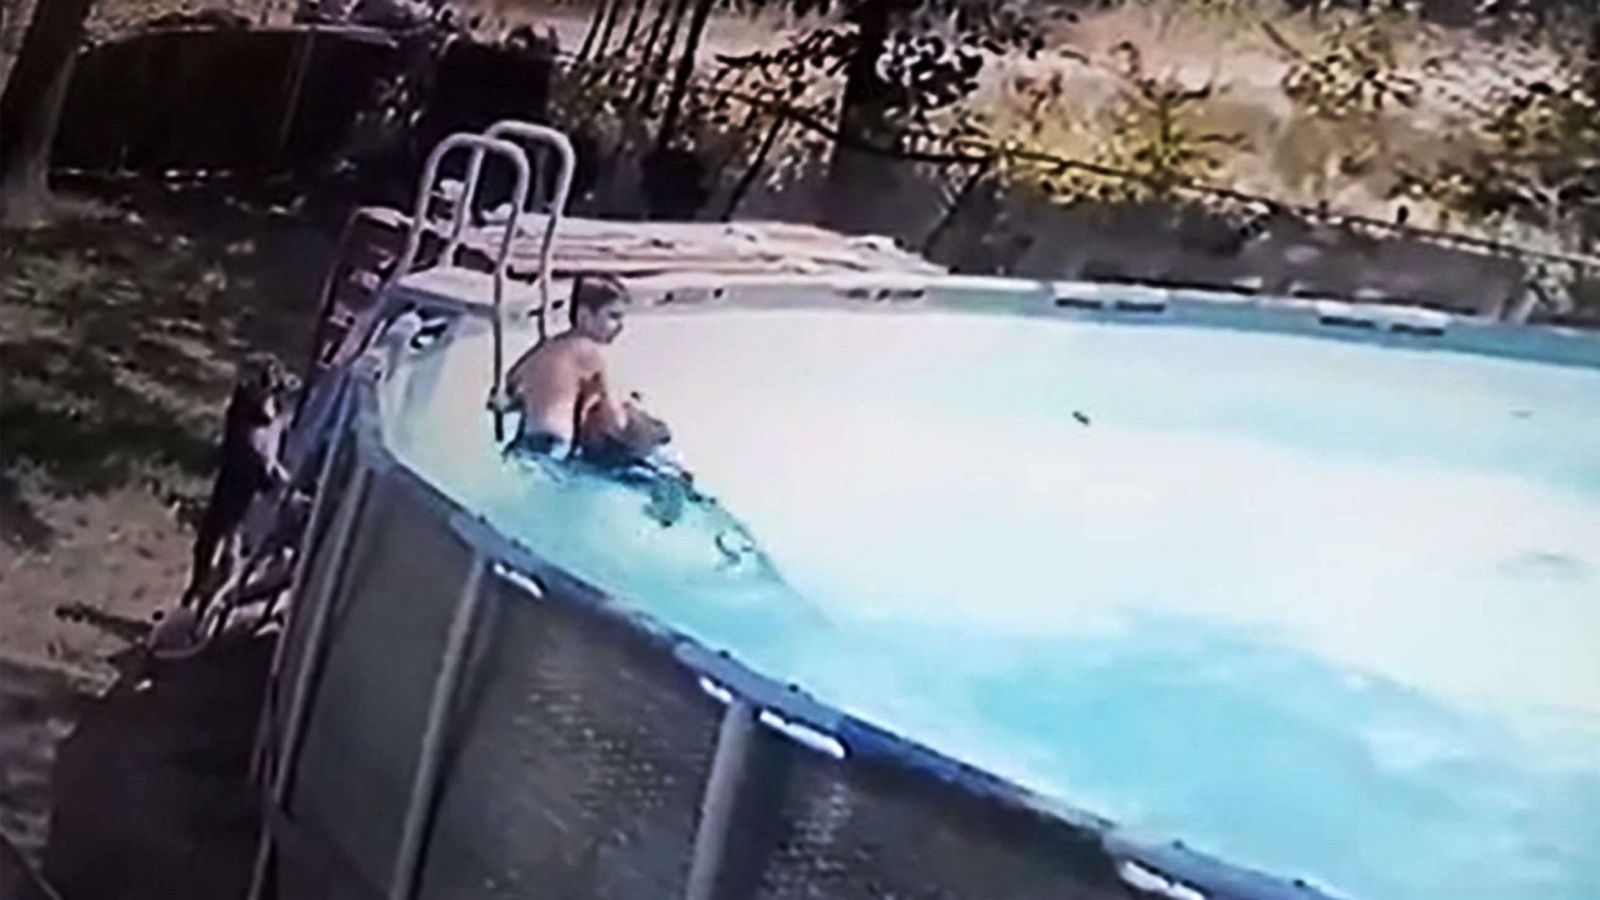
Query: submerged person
point(639, 455)
point(641, 439)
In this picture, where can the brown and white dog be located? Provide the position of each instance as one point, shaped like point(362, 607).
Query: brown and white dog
point(250, 466)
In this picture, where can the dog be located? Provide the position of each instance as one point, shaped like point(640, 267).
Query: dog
point(250, 466)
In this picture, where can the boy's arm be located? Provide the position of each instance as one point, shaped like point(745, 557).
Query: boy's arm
point(514, 378)
point(614, 418)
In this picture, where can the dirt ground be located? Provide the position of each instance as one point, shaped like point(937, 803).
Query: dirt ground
point(119, 331)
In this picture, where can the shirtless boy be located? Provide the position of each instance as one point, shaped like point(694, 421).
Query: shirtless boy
point(562, 385)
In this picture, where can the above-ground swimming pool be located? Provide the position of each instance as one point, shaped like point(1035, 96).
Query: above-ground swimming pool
point(1327, 609)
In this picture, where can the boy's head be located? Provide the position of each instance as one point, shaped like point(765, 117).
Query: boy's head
point(598, 305)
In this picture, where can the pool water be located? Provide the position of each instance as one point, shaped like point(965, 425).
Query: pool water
point(1319, 608)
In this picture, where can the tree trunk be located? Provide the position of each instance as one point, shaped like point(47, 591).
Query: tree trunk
point(606, 29)
point(741, 134)
point(600, 11)
point(680, 82)
point(974, 178)
point(757, 166)
point(31, 106)
point(647, 58)
point(1592, 69)
point(632, 30)
point(864, 115)
point(658, 70)
point(865, 94)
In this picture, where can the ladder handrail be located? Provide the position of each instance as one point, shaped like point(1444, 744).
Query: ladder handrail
point(568, 164)
point(461, 210)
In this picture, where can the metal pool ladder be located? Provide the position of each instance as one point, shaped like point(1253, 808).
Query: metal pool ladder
point(495, 142)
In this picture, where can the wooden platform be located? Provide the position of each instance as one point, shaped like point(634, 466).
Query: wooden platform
point(645, 249)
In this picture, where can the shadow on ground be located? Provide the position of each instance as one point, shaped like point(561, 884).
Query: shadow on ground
point(18, 880)
point(38, 705)
point(120, 332)
point(152, 799)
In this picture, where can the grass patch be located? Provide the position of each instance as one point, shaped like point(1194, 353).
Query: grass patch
point(118, 339)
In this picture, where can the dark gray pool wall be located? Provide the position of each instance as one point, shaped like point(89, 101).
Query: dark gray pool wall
point(452, 717)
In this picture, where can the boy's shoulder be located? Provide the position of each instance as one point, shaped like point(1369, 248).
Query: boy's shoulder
point(587, 351)
point(564, 344)
point(569, 347)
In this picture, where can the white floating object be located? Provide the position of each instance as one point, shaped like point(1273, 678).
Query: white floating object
point(1143, 879)
point(526, 582)
point(804, 734)
point(716, 691)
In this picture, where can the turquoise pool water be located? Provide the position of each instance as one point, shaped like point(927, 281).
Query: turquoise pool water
point(1324, 609)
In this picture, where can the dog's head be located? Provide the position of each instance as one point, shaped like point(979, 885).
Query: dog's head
point(266, 383)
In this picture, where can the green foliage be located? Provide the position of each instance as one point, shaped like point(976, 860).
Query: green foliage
point(928, 62)
point(1156, 134)
point(1532, 138)
point(1150, 142)
point(1355, 70)
point(1359, 77)
point(597, 98)
point(1537, 162)
point(109, 18)
point(750, 98)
